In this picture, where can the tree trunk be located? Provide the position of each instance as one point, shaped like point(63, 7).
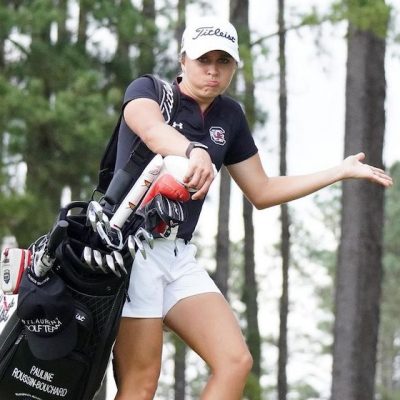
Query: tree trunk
point(2, 57)
point(62, 31)
point(3, 37)
point(239, 11)
point(40, 139)
point(223, 241)
point(82, 25)
point(179, 370)
point(250, 292)
point(359, 274)
point(388, 349)
point(180, 346)
point(285, 217)
point(180, 24)
point(146, 61)
point(121, 64)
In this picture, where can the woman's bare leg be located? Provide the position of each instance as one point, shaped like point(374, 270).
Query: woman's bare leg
point(137, 358)
point(207, 324)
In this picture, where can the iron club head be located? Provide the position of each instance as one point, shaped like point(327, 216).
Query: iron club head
point(120, 261)
point(111, 265)
point(96, 208)
point(91, 219)
point(98, 258)
point(106, 223)
point(140, 246)
point(87, 257)
point(131, 246)
point(146, 236)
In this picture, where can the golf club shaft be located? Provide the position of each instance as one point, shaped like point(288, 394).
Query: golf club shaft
point(138, 190)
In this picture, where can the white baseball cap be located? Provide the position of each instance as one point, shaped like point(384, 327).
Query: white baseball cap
point(207, 34)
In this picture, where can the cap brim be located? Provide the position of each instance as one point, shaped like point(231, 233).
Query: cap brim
point(194, 54)
point(54, 347)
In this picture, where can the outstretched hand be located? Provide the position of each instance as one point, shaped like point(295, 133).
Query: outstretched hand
point(354, 168)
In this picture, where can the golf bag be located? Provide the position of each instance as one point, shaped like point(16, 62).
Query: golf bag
point(98, 295)
point(98, 298)
point(87, 259)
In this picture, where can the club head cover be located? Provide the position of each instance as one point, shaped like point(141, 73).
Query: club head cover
point(12, 266)
point(169, 187)
point(161, 214)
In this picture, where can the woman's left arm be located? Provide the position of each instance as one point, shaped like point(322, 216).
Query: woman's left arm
point(263, 191)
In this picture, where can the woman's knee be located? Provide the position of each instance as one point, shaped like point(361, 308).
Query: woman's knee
point(238, 364)
point(136, 380)
point(137, 358)
point(140, 385)
point(244, 362)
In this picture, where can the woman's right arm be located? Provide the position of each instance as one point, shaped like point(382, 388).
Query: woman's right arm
point(143, 116)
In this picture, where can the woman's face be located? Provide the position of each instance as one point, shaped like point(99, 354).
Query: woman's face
point(209, 75)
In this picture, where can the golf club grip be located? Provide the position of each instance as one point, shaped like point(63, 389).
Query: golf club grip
point(56, 236)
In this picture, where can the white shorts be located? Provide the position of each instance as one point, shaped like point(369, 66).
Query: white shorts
point(169, 273)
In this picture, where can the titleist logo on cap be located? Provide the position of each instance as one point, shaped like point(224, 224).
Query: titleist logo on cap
point(211, 31)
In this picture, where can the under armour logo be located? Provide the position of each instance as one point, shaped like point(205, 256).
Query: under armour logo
point(175, 125)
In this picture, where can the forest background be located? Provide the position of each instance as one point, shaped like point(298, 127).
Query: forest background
point(63, 68)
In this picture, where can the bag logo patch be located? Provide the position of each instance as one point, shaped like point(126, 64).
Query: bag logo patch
point(217, 135)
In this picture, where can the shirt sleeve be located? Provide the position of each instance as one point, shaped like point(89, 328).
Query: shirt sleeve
point(242, 146)
point(140, 88)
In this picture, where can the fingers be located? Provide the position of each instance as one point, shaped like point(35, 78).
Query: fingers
point(199, 174)
point(380, 176)
point(382, 180)
point(377, 170)
point(199, 180)
point(355, 168)
point(360, 156)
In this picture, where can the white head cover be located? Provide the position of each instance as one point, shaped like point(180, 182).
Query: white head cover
point(207, 34)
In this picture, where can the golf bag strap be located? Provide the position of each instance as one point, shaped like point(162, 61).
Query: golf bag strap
point(168, 99)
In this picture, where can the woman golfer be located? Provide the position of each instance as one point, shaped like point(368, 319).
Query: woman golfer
point(170, 287)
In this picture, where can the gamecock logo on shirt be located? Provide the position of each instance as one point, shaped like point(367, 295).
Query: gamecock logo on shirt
point(217, 135)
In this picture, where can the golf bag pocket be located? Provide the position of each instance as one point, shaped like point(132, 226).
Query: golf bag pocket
point(28, 377)
point(22, 375)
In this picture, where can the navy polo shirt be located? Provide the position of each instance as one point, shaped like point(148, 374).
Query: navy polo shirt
point(222, 127)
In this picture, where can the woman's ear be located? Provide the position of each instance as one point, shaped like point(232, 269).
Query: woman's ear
point(182, 60)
